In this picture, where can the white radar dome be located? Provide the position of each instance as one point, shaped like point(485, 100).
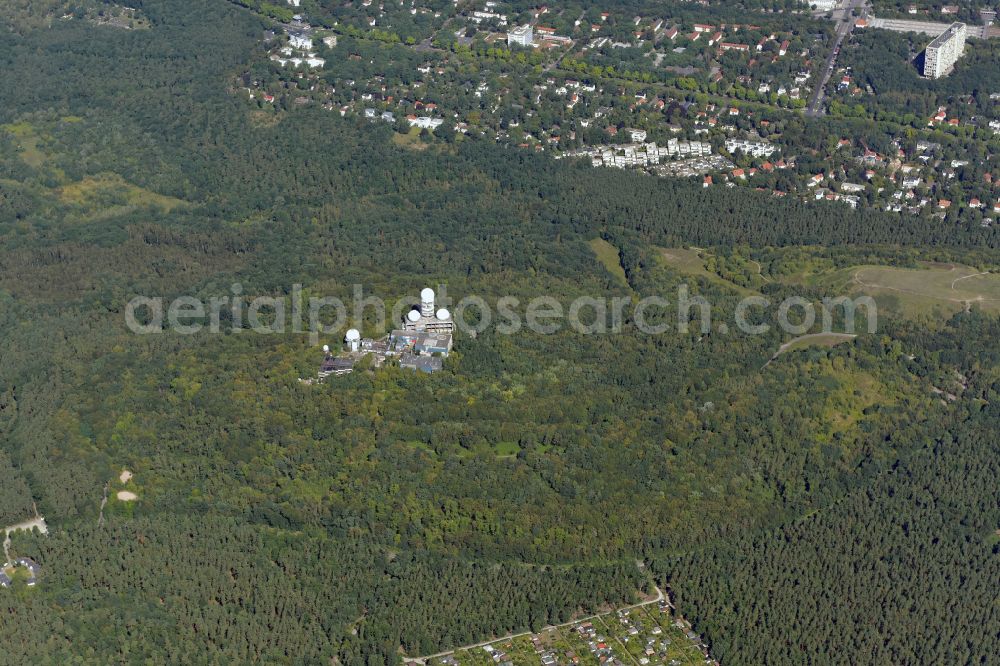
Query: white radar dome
point(427, 295)
point(353, 334)
point(443, 314)
point(326, 348)
point(413, 315)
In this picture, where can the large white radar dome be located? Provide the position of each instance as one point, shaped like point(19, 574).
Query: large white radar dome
point(427, 295)
point(352, 334)
point(413, 315)
point(443, 314)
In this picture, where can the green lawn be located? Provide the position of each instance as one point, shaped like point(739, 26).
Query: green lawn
point(410, 140)
point(507, 449)
point(607, 254)
point(815, 340)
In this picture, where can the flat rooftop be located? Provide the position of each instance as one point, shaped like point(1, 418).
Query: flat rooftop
point(949, 32)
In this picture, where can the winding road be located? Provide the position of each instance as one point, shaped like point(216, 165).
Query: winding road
point(36, 522)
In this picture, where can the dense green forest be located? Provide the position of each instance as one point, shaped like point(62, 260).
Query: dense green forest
point(389, 512)
point(903, 571)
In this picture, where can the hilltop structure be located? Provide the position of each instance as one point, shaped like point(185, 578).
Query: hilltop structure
point(426, 317)
point(423, 341)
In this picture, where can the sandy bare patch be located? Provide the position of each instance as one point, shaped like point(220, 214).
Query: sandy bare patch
point(125, 476)
point(127, 496)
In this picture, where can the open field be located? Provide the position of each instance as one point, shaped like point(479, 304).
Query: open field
point(933, 289)
point(607, 254)
point(686, 260)
point(812, 340)
point(691, 261)
point(815, 340)
point(930, 289)
point(955, 284)
point(100, 189)
point(410, 140)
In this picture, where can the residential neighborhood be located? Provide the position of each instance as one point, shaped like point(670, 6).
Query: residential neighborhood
point(716, 100)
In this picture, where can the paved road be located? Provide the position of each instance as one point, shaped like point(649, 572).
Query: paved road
point(562, 56)
point(844, 27)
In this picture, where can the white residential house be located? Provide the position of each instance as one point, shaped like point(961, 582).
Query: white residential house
point(424, 122)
